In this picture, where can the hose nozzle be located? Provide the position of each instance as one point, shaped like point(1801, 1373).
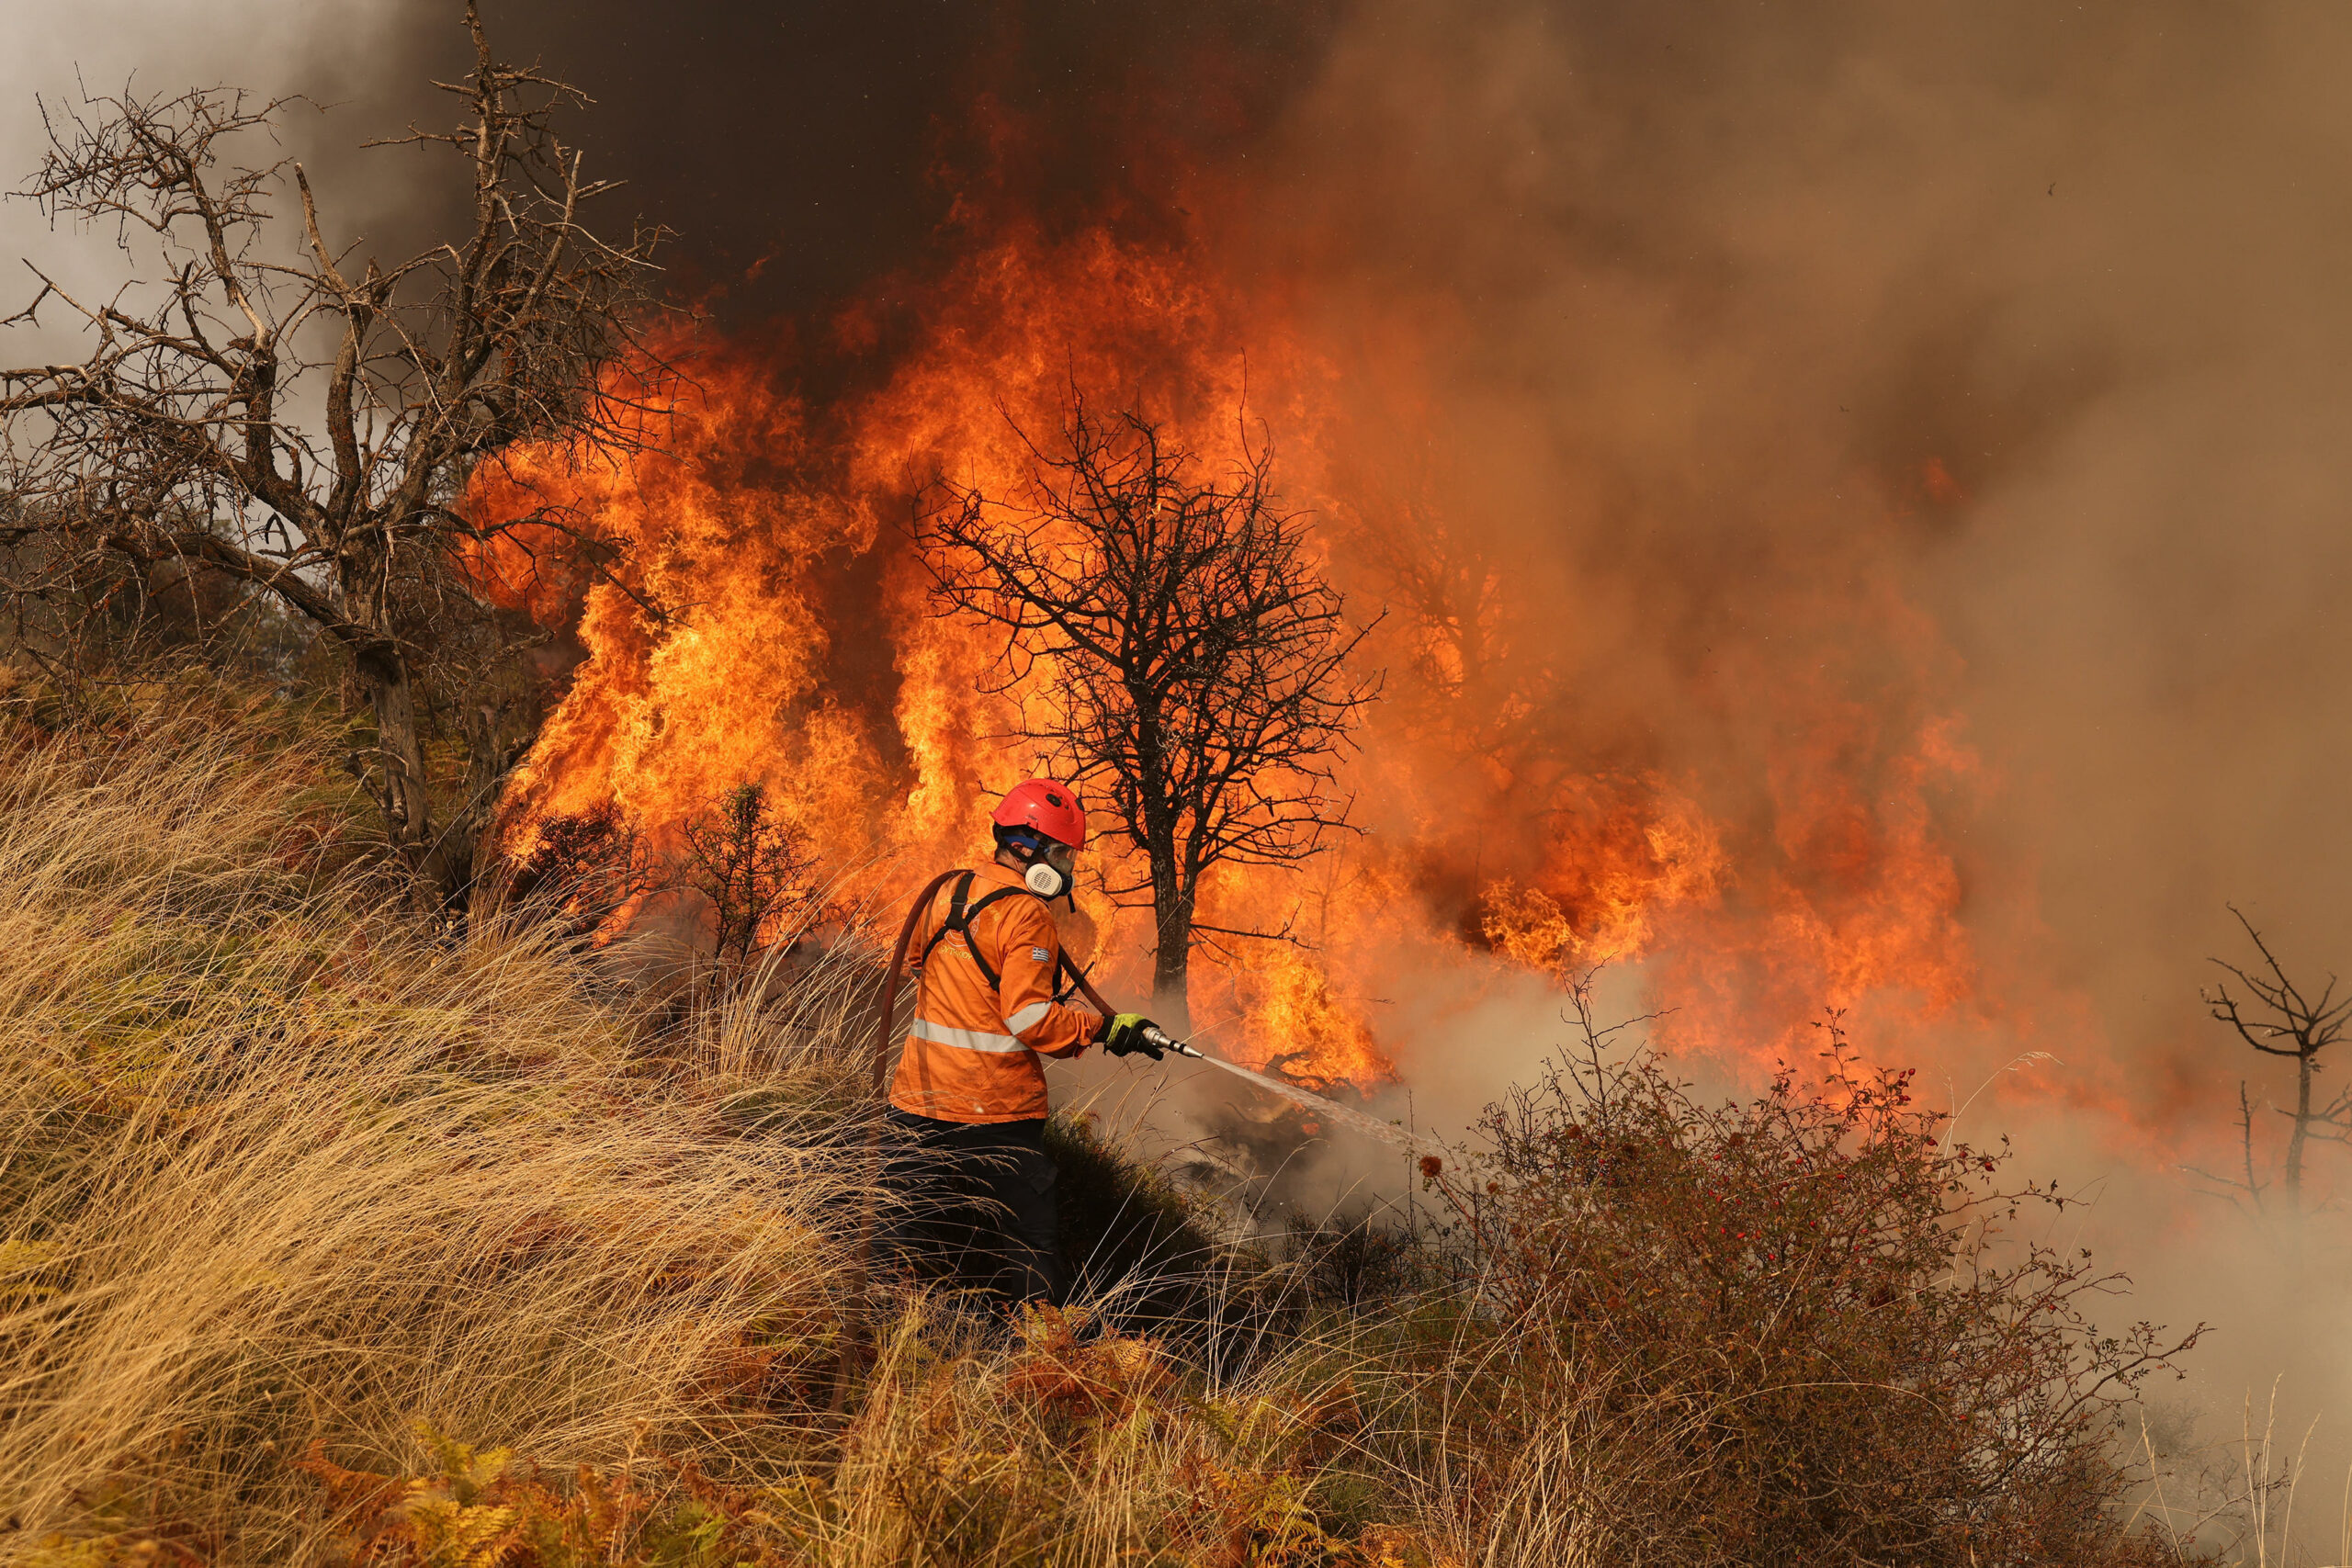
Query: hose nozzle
point(1167, 1042)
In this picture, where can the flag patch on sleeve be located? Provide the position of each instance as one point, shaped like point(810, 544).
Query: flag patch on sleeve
point(1039, 955)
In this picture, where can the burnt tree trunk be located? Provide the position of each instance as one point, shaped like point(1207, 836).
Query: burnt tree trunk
point(1172, 912)
point(406, 800)
point(1171, 893)
point(2300, 1134)
point(1171, 959)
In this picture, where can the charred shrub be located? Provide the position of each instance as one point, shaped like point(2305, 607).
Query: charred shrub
point(585, 867)
point(1134, 1240)
point(1355, 1261)
point(1799, 1330)
point(753, 866)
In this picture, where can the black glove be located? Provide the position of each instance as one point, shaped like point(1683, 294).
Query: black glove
point(1129, 1033)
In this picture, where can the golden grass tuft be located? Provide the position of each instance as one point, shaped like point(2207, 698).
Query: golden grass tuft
point(278, 1168)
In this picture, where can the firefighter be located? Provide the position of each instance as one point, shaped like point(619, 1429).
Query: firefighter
point(969, 1101)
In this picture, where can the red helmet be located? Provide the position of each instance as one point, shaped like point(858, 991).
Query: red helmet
point(1049, 808)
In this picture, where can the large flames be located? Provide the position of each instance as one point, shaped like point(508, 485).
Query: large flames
point(772, 624)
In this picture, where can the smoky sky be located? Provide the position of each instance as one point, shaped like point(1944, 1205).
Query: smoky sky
point(796, 152)
point(823, 145)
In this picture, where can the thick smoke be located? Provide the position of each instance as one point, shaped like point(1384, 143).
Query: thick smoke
point(2033, 312)
point(803, 152)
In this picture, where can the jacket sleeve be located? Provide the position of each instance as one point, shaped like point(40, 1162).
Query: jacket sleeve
point(1031, 950)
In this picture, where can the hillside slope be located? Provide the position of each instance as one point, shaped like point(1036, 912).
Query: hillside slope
point(328, 1238)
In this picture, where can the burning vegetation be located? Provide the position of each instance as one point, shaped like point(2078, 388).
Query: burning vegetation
point(587, 621)
point(778, 552)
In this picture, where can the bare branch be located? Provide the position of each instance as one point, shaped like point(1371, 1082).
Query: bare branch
point(181, 434)
point(2282, 1020)
point(1197, 667)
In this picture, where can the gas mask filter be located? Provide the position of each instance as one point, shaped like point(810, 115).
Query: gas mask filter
point(1049, 874)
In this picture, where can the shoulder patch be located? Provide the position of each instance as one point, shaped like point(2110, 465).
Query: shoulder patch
point(1039, 955)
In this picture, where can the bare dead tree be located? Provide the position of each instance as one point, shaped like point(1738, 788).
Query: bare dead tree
point(260, 405)
point(2278, 1018)
point(1197, 661)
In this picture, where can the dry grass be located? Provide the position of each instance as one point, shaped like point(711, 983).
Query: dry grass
point(1063, 1451)
point(281, 1175)
point(277, 1168)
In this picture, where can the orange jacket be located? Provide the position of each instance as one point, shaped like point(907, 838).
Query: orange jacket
point(971, 1053)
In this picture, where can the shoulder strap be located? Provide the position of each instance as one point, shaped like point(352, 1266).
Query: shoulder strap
point(954, 920)
point(995, 983)
point(959, 919)
point(1066, 970)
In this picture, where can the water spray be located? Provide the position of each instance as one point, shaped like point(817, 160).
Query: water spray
point(1345, 1116)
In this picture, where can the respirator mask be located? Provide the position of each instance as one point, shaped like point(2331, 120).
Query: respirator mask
point(1054, 871)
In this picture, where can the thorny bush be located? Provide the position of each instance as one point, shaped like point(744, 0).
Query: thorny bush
point(1804, 1328)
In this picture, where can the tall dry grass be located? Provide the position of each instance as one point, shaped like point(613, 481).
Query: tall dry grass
point(278, 1167)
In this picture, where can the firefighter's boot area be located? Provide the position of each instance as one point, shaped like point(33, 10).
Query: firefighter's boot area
point(975, 1208)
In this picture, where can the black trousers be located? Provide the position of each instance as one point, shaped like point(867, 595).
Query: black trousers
point(975, 1207)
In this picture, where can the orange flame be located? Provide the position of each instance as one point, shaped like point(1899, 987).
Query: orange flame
point(772, 625)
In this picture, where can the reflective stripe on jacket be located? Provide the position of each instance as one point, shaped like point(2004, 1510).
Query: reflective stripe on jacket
point(971, 1053)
